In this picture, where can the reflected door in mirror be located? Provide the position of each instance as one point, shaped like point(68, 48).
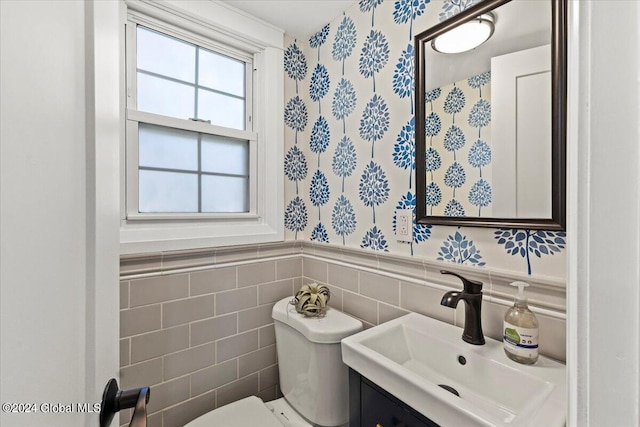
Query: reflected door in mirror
point(521, 105)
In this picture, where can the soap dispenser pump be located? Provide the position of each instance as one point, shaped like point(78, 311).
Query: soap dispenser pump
point(521, 330)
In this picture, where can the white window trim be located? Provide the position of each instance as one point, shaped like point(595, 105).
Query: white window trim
point(222, 24)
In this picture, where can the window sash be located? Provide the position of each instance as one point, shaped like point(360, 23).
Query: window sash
point(197, 84)
point(132, 170)
point(134, 117)
point(131, 60)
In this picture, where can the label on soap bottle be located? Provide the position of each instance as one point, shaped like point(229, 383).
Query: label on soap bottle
point(521, 341)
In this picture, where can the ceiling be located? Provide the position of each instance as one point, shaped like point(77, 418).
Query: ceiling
point(299, 18)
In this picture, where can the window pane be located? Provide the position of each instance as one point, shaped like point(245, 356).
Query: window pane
point(166, 55)
point(222, 110)
point(168, 192)
point(221, 73)
point(225, 194)
point(225, 155)
point(161, 96)
point(162, 147)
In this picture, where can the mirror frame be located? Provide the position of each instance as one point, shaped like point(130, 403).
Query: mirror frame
point(558, 122)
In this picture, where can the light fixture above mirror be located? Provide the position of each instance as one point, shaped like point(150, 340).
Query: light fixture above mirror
point(467, 36)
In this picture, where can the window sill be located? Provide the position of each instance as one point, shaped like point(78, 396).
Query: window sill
point(160, 237)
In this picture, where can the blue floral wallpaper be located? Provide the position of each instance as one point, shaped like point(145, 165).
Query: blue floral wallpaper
point(459, 151)
point(349, 145)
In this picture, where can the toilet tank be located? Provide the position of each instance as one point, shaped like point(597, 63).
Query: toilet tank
point(313, 378)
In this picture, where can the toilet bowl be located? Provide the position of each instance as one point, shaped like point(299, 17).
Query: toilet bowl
point(313, 379)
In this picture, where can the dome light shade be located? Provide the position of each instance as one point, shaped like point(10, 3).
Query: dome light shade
point(466, 36)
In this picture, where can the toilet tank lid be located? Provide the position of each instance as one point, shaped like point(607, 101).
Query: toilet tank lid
point(330, 328)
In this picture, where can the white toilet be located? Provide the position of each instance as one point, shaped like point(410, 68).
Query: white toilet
point(313, 379)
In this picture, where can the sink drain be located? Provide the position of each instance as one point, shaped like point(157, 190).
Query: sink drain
point(449, 389)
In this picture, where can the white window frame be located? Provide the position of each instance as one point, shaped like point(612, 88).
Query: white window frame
point(221, 28)
point(134, 117)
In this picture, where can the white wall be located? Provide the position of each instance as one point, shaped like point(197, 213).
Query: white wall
point(57, 338)
point(604, 225)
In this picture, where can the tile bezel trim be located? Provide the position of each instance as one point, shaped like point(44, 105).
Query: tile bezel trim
point(546, 294)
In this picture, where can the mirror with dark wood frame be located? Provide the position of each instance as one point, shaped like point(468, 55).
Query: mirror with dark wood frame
point(491, 122)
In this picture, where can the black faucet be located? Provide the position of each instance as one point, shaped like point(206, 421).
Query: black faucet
point(472, 296)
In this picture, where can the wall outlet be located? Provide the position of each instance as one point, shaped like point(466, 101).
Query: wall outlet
point(404, 225)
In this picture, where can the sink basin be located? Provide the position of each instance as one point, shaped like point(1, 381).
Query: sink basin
point(422, 361)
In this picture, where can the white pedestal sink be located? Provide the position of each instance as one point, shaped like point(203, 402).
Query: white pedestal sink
point(413, 356)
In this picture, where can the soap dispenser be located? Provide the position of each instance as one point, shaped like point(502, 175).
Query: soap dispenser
point(521, 330)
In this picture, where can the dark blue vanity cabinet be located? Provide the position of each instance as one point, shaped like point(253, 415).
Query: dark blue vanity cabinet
point(371, 406)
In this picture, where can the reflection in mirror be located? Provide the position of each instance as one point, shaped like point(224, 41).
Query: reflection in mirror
point(490, 127)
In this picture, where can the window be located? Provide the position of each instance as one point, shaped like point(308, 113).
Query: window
point(198, 164)
point(189, 126)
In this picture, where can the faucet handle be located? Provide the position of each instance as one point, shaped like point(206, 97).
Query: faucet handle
point(470, 286)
